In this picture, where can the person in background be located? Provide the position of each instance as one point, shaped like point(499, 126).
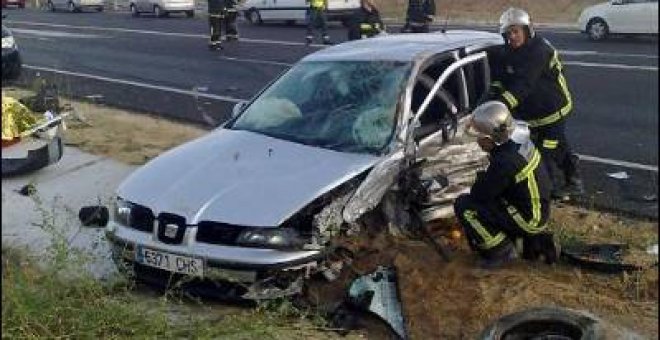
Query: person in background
point(366, 22)
point(420, 13)
point(316, 20)
point(222, 16)
point(528, 78)
point(511, 198)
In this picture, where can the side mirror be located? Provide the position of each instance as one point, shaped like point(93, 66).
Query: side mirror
point(94, 216)
point(238, 108)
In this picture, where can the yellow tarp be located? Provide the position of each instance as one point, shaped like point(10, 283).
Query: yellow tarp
point(16, 118)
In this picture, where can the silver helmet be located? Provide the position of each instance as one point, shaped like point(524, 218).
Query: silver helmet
point(491, 119)
point(516, 16)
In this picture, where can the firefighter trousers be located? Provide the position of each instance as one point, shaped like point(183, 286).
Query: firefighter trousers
point(316, 20)
point(556, 153)
point(224, 20)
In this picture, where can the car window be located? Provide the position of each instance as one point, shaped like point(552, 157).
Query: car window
point(347, 106)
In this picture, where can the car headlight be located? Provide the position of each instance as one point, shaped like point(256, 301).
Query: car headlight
point(8, 42)
point(275, 238)
point(122, 211)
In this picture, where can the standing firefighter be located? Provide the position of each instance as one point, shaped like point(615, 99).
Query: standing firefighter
point(420, 13)
point(366, 22)
point(529, 79)
point(511, 199)
point(316, 19)
point(222, 16)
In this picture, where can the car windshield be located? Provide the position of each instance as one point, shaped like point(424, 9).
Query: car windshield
point(344, 106)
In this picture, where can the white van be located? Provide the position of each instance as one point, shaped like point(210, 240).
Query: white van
point(74, 5)
point(162, 8)
point(291, 11)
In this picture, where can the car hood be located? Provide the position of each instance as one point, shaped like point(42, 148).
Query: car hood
point(598, 9)
point(240, 177)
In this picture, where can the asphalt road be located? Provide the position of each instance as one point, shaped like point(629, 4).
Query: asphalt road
point(162, 65)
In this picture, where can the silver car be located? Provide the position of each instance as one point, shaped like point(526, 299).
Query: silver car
point(255, 206)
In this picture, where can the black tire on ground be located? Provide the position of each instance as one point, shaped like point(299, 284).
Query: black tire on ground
point(597, 29)
point(545, 323)
point(190, 14)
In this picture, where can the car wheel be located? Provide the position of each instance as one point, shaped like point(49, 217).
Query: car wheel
point(190, 14)
point(71, 7)
point(545, 323)
point(134, 11)
point(254, 17)
point(597, 29)
point(290, 22)
point(51, 7)
point(159, 12)
point(99, 9)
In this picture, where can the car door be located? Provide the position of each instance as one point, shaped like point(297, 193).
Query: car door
point(291, 9)
point(627, 16)
point(652, 10)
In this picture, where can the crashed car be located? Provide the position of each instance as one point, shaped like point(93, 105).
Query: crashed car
point(254, 206)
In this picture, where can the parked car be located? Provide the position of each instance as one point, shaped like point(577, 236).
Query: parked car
point(260, 200)
point(17, 3)
point(162, 8)
point(75, 5)
point(290, 11)
point(11, 57)
point(619, 17)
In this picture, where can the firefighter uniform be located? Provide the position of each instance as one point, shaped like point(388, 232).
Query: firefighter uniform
point(222, 16)
point(316, 19)
point(530, 81)
point(420, 13)
point(365, 23)
point(511, 199)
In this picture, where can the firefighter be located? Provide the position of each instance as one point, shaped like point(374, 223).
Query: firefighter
point(511, 198)
point(222, 16)
point(316, 19)
point(366, 22)
point(420, 13)
point(528, 77)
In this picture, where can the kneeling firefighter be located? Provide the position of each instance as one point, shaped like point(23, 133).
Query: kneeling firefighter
point(222, 16)
point(366, 22)
point(511, 198)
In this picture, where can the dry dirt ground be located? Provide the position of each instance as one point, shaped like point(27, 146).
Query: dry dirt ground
point(440, 300)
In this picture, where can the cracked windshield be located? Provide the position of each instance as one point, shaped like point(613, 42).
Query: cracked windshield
point(330, 169)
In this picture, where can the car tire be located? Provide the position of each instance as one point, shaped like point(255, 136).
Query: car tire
point(597, 29)
point(134, 11)
point(159, 12)
point(72, 8)
point(50, 6)
point(290, 22)
point(546, 323)
point(190, 14)
point(254, 17)
point(99, 9)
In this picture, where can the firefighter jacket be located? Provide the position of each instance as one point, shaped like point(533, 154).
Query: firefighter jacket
point(369, 22)
point(419, 10)
point(516, 178)
point(217, 6)
point(530, 81)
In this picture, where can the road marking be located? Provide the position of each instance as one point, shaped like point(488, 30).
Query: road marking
point(135, 83)
point(623, 164)
point(256, 61)
point(607, 54)
point(587, 158)
point(51, 34)
point(172, 34)
point(617, 66)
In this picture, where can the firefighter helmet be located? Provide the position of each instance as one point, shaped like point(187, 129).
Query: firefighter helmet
point(491, 119)
point(516, 16)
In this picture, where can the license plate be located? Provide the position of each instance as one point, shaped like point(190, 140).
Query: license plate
point(170, 262)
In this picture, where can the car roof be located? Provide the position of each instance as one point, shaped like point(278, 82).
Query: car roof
point(405, 47)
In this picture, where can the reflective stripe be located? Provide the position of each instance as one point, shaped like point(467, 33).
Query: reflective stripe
point(496, 83)
point(369, 27)
point(554, 117)
point(317, 3)
point(513, 102)
point(527, 173)
point(550, 143)
point(490, 241)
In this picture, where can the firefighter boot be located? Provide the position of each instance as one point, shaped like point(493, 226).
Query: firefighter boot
point(308, 40)
point(326, 40)
point(497, 258)
point(215, 45)
point(541, 246)
point(574, 186)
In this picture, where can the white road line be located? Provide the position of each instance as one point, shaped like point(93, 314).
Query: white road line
point(256, 61)
point(606, 54)
point(54, 34)
point(623, 164)
point(587, 158)
point(135, 83)
point(617, 66)
point(172, 34)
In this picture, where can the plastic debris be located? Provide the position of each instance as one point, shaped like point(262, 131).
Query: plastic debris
point(619, 175)
point(653, 249)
